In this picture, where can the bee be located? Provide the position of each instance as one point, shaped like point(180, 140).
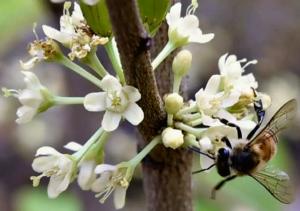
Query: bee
point(250, 157)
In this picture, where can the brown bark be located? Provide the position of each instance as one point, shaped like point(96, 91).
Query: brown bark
point(167, 173)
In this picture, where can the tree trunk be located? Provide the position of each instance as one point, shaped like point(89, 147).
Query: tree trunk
point(167, 173)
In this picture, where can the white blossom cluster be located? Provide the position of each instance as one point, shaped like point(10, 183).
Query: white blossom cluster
point(229, 95)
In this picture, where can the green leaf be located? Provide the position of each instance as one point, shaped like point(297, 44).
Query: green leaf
point(153, 13)
point(97, 18)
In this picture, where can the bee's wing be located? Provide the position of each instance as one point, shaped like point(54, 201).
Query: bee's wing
point(279, 121)
point(276, 182)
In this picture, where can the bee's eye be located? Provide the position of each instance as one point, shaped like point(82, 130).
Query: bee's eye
point(223, 152)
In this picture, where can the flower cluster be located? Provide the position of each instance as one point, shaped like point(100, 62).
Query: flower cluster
point(228, 96)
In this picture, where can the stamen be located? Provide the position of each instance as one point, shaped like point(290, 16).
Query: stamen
point(34, 31)
point(249, 63)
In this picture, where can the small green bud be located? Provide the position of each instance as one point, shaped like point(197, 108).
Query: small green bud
point(173, 102)
point(182, 63)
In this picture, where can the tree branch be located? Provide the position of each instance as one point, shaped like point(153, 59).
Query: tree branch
point(133, 43)
point(167, 173)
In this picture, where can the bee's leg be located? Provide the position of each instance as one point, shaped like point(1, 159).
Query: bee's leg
point(260, 114)
point(220, 184)
point(197, 150)
point(226, 122)
point(201, 170)
point(226, 141)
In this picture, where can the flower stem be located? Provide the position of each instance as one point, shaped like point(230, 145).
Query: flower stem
point(170, 119)
point(176, 83)
point(169, 47)
point(190, 117)
point(195, 122)
point(95, 137)
point(93, 62)
point(79, 70)
point(114, 57)
point(140, 156)
point(195, 131)
point(58, 100)
point(186, 110)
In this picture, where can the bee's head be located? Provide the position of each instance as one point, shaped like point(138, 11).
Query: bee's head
point(223, 153)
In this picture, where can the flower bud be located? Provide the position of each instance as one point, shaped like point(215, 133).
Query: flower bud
point(172, 138)
point(173, 102)
point(205, 144)
point(182, 62)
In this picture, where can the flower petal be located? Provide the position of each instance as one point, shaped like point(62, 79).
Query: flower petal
point(86, 174)
point(30, 98)
point(64, 38)
point(25, 114)
point(111, 120)
point(91, 2)
point(31, 80)
point(104, 167)
point(188, 25)
point(58, 184)
point(30, 63)
point(174, 15)
point(213, 84)
point(110, 84)
point(73, 146)
point(44, 163)
point(46, 150)
point(132, 93)
point(100, 183)
point(119, 197)
point(95, 101)
point(134, 114)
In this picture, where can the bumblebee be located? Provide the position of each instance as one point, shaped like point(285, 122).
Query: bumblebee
point(250, 157)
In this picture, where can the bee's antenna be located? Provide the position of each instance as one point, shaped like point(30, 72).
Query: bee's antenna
point(195, 149)
point(201, 170)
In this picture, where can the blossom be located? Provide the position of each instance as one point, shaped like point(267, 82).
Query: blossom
point(117, 101)
point(172, 138)
point(40, 50)
point(74, 33)
point(34, 98)
point(212, 99)
point(113, 179)
point(183, 30)
point(57, 166)
point(231, 71)
point(86, 175)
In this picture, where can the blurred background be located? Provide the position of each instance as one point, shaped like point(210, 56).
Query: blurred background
point(266, 30)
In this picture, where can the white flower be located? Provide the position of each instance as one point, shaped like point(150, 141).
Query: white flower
point(113, 179)
point(57, 166)
point(86, 175)
point(40, 50)
point(183, 30)
point(74, 33)
point(172, 138)
point(34, 99)
point(231, 71)
point(211, 99)
point(117, 102)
